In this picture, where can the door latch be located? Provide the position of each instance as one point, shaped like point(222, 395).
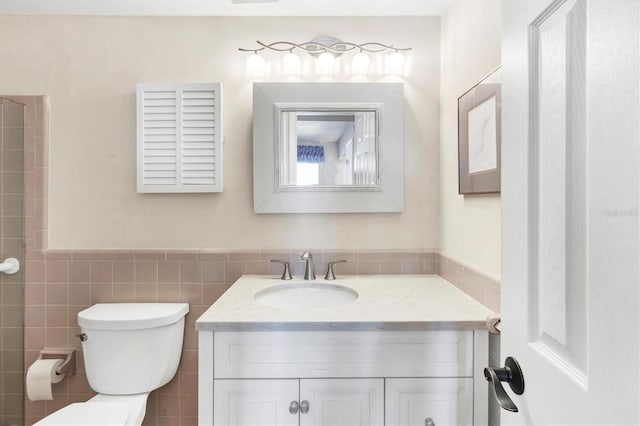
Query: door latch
point(511, 373)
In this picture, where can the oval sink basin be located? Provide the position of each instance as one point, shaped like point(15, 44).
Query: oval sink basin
point(306, 296)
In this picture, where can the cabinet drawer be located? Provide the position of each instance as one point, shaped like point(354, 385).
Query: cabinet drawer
point(266, 354)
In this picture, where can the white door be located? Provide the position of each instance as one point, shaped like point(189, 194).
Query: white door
point(341, 402)
point(429, 402)
point(255, 402)
point(570, 180)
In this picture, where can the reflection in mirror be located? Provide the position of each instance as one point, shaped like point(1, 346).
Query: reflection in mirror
point(328, 148)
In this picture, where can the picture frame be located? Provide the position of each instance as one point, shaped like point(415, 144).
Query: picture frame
point(479, 121)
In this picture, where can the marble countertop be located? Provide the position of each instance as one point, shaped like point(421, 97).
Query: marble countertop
point(385, 302)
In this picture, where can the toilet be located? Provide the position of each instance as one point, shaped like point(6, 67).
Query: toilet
point(129, 350)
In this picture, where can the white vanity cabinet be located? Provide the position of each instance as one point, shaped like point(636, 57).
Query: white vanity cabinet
point(333, 378)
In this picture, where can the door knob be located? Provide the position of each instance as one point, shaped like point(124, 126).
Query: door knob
point(293, 407)
point(511, 373)
point(304, 407)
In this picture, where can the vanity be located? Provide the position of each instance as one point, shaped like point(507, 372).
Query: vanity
point(359, 350)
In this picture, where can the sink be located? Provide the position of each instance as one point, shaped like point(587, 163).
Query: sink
point(306, 296)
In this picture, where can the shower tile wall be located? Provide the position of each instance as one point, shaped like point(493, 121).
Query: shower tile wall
point(12, 116)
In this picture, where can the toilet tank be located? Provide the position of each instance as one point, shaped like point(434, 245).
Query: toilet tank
point(131, 347)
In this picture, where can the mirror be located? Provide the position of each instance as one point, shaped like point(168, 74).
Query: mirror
point(328, 147)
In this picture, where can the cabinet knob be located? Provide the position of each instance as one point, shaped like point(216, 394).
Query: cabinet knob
point(304, 407)
point(429, 422)
point(293, 407)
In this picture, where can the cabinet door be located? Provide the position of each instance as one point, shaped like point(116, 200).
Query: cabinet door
point(342, 402)
point(429, 402)
point(254, 402)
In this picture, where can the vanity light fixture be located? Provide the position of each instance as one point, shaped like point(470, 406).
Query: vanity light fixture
point(394, 63)
point(255, 65)
point(360, 63)
point(326, 63)
point(291, 64)
point(327, 50)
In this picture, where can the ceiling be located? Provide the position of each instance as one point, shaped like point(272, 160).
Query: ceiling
point(225, 7)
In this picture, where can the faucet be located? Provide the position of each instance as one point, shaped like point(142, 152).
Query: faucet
point(309, 273)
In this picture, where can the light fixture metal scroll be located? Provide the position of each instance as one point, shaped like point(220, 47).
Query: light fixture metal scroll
point(336, 47)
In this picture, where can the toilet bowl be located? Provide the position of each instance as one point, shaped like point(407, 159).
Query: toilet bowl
point(129, 350)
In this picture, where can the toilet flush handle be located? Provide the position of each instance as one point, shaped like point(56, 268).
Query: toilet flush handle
point(82, 336)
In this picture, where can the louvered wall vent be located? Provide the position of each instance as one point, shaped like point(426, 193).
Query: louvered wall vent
point(179, 137)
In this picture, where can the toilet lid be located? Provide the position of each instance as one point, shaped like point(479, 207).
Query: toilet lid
point(88, 414)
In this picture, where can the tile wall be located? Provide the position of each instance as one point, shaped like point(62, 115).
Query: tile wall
point(482, 288)
point(12, 130)
point(60, 283)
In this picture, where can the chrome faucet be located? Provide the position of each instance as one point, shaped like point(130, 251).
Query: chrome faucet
point(309, 273)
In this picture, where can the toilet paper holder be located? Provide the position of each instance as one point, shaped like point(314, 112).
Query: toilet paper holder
point(68, 367)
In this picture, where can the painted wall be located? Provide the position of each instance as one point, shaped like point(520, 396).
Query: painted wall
point(470, 229)
point(89, 67)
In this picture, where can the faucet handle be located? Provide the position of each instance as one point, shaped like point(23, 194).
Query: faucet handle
point(330, 275)
point(286, 273)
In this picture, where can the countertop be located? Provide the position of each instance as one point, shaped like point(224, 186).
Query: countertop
point(385, 302)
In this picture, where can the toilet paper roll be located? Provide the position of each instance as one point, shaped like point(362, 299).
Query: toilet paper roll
point(40, 376)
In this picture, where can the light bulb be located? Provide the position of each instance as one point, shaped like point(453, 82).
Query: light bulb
point(326, 63)
point(360, 63)
point(291, 64)
point(395, 63)
point(255, 65)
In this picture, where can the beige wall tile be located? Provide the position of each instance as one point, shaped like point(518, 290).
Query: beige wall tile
point(79, 271)
point(101, 271)
point(168, 292)
point(211, 292)
point(368, 267)
point(57, 271)
point(101, 293)
point(35, 293)
point(57, 293)
point(13, 182)
point(146, 271)
point(213, 271)
point(12, 160)
point(168, 271)
point(12, 205)
point(124, 292)
point(234, 270)
point(390, 267)
point(190, 272)
point(79, 293)
point(34, 316)
point(146, 292)
point(123, 271)
point(55, 316)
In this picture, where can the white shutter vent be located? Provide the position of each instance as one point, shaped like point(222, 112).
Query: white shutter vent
point(179, 137)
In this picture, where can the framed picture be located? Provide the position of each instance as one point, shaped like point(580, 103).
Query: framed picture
point(479, 137)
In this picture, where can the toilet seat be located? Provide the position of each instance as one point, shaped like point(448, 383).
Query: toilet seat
point(101, 410)
point(88, 413)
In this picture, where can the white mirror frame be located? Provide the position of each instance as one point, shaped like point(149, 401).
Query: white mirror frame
point(387, 198)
